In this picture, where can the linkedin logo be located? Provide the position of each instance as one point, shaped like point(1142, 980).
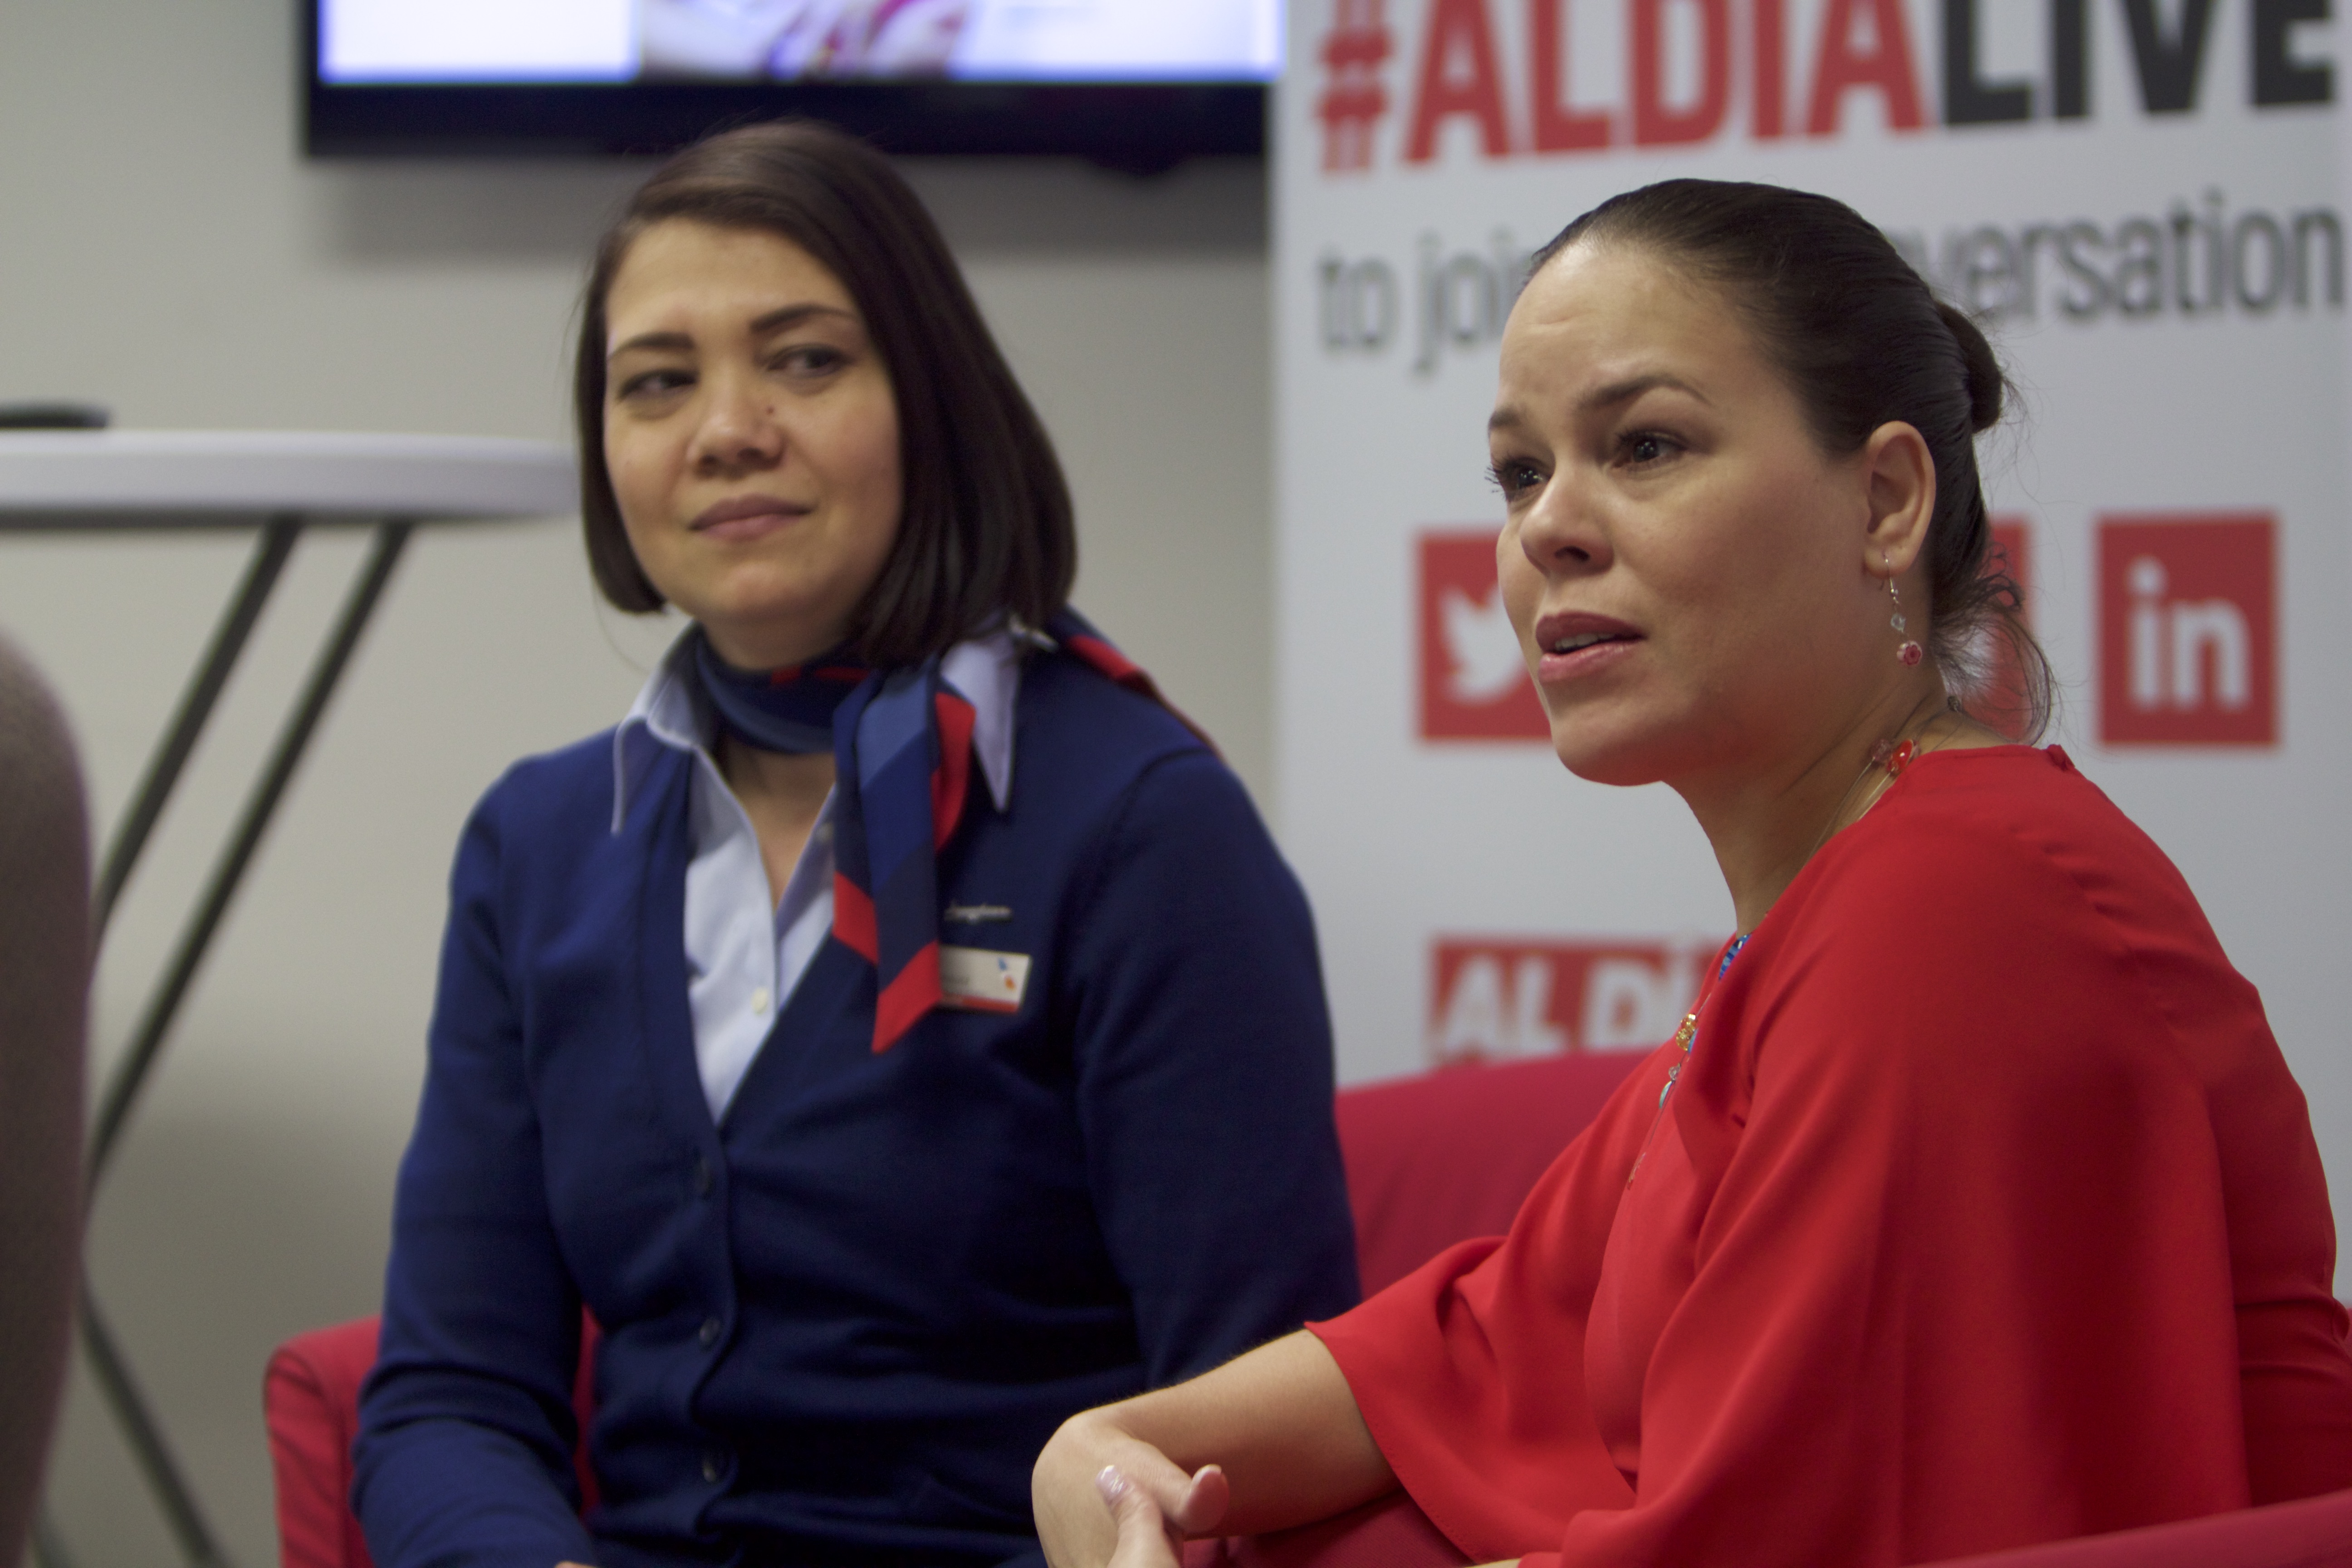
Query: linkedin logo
point(2189, 630)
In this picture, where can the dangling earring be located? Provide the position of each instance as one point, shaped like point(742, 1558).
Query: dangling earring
point(1910, 653)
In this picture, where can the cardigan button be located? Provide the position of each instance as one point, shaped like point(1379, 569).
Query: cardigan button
point(714, 1465)
point(709, 1334)
point(703, 1179)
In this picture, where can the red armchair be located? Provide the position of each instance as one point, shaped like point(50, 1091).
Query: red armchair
point(311, 1397)
point(310, 1402)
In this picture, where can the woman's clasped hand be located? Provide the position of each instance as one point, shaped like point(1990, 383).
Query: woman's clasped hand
point(1972, 1204)
point(1149, 1533)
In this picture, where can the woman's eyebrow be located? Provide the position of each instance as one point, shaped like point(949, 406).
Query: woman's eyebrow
point(1633, 387)
point(794, 315)
point(662, 342)
point(1511, 416)
point(777, 320)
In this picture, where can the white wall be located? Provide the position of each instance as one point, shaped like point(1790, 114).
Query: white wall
point(163, 250)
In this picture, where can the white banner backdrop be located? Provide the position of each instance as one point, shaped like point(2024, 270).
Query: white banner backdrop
point(2141, 200)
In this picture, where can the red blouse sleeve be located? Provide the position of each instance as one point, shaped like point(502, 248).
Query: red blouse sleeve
point(1983, 1166)
point(1496, 1451)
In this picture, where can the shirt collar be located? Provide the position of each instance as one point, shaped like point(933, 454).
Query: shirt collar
point(986, 671)
point(671, 713)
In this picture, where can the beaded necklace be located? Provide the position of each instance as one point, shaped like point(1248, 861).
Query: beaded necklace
point(1684, 1037)
point(1688, 1033)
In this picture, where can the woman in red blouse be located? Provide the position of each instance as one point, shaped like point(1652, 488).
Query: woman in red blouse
point(1972, 1206)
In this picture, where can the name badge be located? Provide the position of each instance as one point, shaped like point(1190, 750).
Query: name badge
point(982, 982)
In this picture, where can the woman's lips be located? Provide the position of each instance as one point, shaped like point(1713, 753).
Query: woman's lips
point(1605, 644)
point(1559, 668)
point(747, 517)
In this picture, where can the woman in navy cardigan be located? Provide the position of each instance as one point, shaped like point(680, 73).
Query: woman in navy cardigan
point(900, 1032)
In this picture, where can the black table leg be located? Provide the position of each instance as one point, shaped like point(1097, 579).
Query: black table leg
point(113, 1371)
point(326, 670)
point(205, 684)
point(173, 1494)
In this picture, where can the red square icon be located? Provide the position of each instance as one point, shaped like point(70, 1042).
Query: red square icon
point(1474, 680)
point(2188, 629)
point(1490, 999)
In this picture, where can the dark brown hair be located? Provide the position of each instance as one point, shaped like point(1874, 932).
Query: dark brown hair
point(985, 527)
point(1862, 340)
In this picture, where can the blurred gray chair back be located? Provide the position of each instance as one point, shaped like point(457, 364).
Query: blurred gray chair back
point(45, 964)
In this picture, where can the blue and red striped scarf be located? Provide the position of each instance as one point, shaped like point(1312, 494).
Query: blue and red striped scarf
point(901, 741)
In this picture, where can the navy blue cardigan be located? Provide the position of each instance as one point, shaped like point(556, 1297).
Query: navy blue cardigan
point(840, 1323)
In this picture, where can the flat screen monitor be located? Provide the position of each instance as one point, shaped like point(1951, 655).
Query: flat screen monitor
point(1133, 83)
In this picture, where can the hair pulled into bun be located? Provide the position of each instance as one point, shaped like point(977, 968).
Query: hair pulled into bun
point(1987, 383)
point(1863, 342)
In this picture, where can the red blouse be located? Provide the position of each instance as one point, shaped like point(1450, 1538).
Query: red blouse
point(1984, 1213)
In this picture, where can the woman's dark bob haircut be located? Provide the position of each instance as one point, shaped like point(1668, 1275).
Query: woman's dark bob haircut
point(985, 528)
point(1863, 342)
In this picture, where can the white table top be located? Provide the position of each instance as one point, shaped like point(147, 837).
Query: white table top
point(208, 479)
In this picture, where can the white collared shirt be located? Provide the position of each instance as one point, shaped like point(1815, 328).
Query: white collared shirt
point(744, 957)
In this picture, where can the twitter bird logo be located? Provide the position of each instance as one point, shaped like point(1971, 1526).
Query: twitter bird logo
point(1482, 650)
